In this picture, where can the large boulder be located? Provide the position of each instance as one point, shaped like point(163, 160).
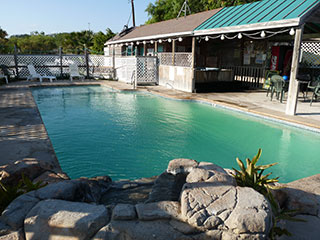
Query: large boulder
point(139, 230)
point(210, 205)
point(51, 177)
point(158, 210)
point(16, 235)
point(167, 187)
point(58, 219)
point(65, 190)
point(18, 209)
point(302, 195)
point(11, 173)
point(209, 172)
point(124, 212)
point(307, 230)
point(181, 165)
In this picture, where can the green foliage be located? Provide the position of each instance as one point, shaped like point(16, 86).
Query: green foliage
point(168, 9)
point(40, 43)
point(252, 176)
point(9, 193)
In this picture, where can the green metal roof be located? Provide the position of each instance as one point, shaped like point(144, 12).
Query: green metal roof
point(259, 12)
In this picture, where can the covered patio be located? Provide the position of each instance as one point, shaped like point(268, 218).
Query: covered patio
point(232, 49)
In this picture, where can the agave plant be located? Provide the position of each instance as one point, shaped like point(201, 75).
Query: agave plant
point(252, 175)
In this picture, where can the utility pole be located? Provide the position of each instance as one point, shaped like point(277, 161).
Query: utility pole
point(133, 15)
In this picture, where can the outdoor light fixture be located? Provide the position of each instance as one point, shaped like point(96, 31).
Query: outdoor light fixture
point(137, 43)
point(169, 40)
point(144, 42)
point(160, 41)
point(127, 44)
point(116, 45)
point(292, 32)
point(222, 37)
point(132, 43)
point(151, 41)
point(180, 39)
point(121, 45)
point(207, 39)
point(239, 35)
point(263, 34)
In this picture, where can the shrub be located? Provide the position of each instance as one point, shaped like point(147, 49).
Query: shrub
point(9, 193)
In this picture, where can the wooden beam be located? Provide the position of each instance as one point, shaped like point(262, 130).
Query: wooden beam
point(156, 47)
point(173, 51)
point(292, 101)
point(144, 49)
point(193, 63)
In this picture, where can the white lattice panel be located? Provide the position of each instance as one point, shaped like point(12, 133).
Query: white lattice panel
point(44, 64)
point(147, 69)
point(125, 67)
point(7, 60)
point(311, 54)
point(165, 59)
point(96, 60)
point(183, 59)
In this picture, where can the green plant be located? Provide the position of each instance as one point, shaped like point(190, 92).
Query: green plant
point(252, 176)
point(8, 193)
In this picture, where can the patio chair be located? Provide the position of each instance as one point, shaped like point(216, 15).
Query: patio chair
point(316, 92)
point(74, 72)
point(313, 84)
point(268, 83)
point(278, 87)
point(7, 72)
point(5, 77)
point(35, 75)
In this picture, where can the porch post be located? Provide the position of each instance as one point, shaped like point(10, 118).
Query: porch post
point(173, 51)
point(294, 84)
point(193, 63)
point(145, 49)
point(155, 47)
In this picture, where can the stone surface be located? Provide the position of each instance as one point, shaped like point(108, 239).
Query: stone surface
point(167, 187)
point(4, 228)
point(181, 165)
point(207, 205)
point(17, 235)
point(128, 192)
point(139, 230)
point(158, 210)
point(124, 212)
point(251, 214)
point(12, 173)
point(208, 172)
point(183, 227)
point(303, 195)
point(65, 190)
point(17, 210)
point(51, 177)
point(58, 219)
point(308, 230)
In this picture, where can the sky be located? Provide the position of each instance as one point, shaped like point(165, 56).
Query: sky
point(55, 16)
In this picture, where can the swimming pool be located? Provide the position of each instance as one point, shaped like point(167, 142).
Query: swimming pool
point(126, 135)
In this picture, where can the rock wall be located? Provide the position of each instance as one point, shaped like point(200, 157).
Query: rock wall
point(190, 200)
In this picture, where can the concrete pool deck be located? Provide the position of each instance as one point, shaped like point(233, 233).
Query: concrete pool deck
point(23, 135)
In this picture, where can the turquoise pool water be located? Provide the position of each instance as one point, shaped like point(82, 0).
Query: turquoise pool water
point(127, 135)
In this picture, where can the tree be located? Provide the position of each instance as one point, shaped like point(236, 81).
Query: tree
point(3, 41)
point(163, 10)
point(99, 39)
